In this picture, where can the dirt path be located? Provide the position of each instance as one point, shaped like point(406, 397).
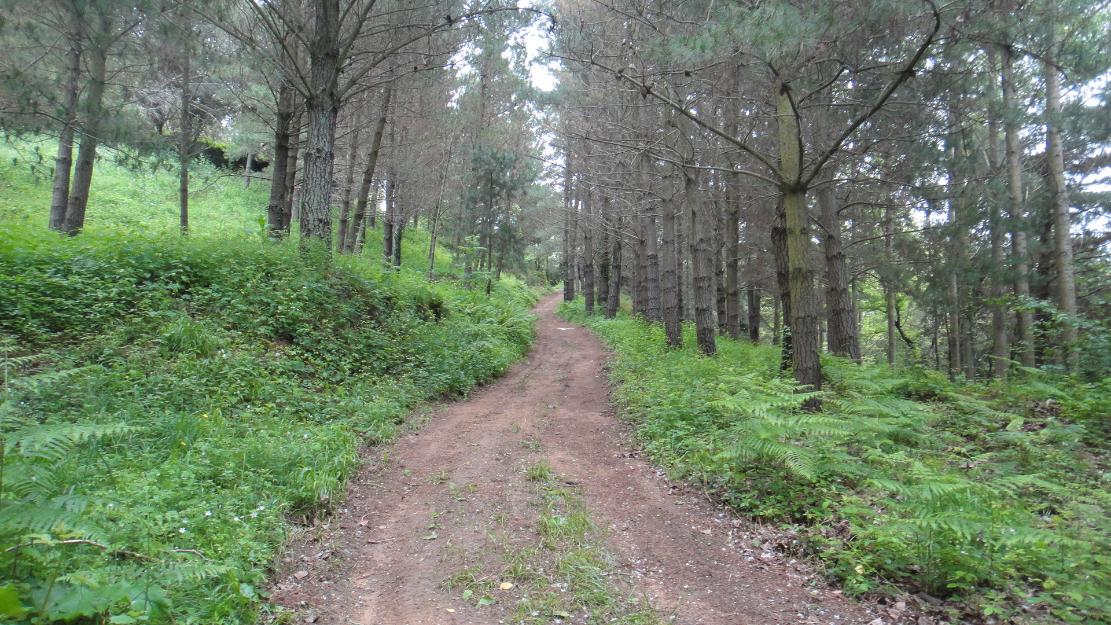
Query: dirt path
point(453, 496)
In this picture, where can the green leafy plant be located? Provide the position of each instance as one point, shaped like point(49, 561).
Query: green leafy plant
point(992, 498)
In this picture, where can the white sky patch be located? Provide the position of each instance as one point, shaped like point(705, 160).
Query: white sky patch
point(536, 42)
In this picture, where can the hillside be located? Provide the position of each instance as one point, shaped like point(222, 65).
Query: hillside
point(172, 406)
point(982, 501)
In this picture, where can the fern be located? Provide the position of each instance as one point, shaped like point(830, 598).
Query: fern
point(39, 511)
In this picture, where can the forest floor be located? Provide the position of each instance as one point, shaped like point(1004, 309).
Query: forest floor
point(471, 517)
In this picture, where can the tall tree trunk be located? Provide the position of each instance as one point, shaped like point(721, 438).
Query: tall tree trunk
point(669, 277)
point(888, 282)
point(434, 226)
point(844, 337)
point(322, 108)
point(361, 208)
point(753, 313)
point(953, 333)
point(588, 250)
point(568, 263)
point(360, 239)
point(388, 218)
point(804, 305)
point(604, 254)
point(959, 249)
point(1068, 352)
point(1024, 331)
point(185, 133)
point(63, 162)
point(1000, 345)
point(90, 133)
point(398, 231)
point(652, 263)
point(247, 167)
point(348, 182)
point(640, 265)
point(719, 265)
point(701, 240)
point(614, 300)
point(730, 232)
point(782, 303)
point(283, 208)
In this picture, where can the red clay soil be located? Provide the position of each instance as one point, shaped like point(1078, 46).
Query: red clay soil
point(452, 492)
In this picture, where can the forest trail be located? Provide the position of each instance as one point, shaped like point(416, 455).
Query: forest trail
point(452, 496)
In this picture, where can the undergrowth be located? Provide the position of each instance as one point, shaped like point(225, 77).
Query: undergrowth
point(993, 498)
point(170, 405)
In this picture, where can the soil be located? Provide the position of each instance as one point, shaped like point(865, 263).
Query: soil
point(450, 493)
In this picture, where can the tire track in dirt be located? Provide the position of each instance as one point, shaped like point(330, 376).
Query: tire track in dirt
point(453, 494)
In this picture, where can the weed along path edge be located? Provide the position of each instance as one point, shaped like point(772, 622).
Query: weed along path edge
point(526, 504)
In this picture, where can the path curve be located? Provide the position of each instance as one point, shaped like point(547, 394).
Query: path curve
point(437, 500)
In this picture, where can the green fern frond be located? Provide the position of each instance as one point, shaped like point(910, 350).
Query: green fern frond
point(53, 443)
point(29, 518)
point(180, 572)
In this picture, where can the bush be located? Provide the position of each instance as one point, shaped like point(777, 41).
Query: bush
point(993, 497)
point(180, 400)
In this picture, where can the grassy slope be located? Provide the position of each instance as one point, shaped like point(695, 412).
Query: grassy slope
point(248, 374)
point(992, 496)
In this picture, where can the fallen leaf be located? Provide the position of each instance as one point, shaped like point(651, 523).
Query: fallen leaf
point(505, 585)
point(301, 574)
point(432, 536)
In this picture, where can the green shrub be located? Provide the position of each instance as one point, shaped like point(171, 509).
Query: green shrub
point(993, 497)
point(201, 393)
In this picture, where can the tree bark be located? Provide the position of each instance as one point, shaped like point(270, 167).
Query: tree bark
point(640, 266)
point(63, 162)
point(569, 234)
point(360, 239)
point(361, 208)
point(1000, 345)
point(348, 182)
point(1024, 330)
point(959, 248)
point(398, 231)
point(753, 313)
point(701, 240)
point(322, 109)
point(388, 218)
point(291, 174)
point(719, 265)
point(781, 333)
point(435, 218)
point(652, 262)
point(604, 254)
point(614, 300)
point(185, 138)
point(804, 304)
point(90, 132)
point(588, 251)
point(888, 286)
point(844, 337)
point(732, 254)
point(1062, 240)
point(669, 278)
